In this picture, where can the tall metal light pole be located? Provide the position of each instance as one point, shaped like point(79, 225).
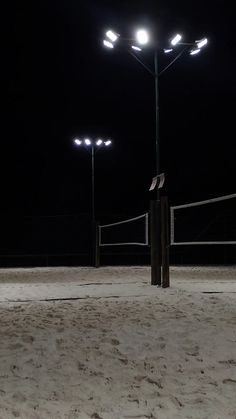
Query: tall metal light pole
point(133, 46)
point(157, 113)
point(93, 187)
point(92, 146)
point(156, 237)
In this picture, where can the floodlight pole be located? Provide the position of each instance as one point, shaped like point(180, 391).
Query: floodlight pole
point(94, 235)
point(157, 115)
point(93, 186)
point(156, 236)
point(156, 258)
point(159, 262)
point(92, 150)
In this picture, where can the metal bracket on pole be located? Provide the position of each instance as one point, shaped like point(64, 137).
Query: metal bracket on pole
point(157, 181)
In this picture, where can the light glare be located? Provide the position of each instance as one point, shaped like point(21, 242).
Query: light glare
point(194, 51)
point(108, 44)
point(142, 36)
point(112, 36)
point(77, 141)
point(87, 141)
point(108, 142)
point(98, 142)
point(136, 48)
point(176, 39)
point(201, 43)
point(166, 51)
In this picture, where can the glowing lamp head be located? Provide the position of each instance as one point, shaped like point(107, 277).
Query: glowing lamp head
point(87, 141)
point(136, 48)
point(142, 36)
point(176, 39)
point(112, 36)
point(167, 50)
point(77, 141)
point(194, 51)
point(107, 143)
point(108, 44)
point(201, 43)
point(99, 142)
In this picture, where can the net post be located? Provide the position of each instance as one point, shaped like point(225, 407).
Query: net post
point(97, 246)
point(94, 244)
point(165, 242)
point(155, 245)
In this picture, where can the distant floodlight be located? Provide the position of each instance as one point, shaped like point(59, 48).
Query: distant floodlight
point(98, 142)
point(166, 51)
point(142, 36)
point(87, 141)
point(108, 44)
point(108, 142)
point(77, 141)
point(194, 51)
point(201, 43)
point(112, 35)
point(176, 39)
point(136, 48)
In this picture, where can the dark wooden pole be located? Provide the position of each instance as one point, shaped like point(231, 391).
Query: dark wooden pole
point(97, 251)
point(165, 242)
point(155, 243)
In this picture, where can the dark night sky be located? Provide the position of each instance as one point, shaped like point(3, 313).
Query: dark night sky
point(59, 82)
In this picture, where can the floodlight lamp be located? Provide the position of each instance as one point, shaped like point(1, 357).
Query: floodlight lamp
point(112, 36)
point(108, 44)
point(77, 141)
point(87, 141)
point(176, 39)
point(142, 36)
point(194, 51)
point(99, 142)
point(108, 142)
point(201, 43)
point(136, 48)
point(167, 50)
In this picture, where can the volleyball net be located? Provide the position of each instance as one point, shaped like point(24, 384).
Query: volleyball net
point(209, 222)
point(132, 231)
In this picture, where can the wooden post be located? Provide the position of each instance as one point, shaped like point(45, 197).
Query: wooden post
point(155, 245)
point(97, 247)
point(93, 243)
point(165, 242)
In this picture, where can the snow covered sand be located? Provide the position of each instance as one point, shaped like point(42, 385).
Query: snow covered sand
point(119, 348)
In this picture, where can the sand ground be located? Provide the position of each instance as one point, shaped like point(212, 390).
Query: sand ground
point(105, 344)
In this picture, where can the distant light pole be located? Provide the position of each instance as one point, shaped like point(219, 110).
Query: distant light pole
point(134, 47)
point(92, 146)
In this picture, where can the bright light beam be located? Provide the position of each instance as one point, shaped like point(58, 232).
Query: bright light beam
point(136, 48)
point(194, 51)
point(108, 142)
point(77, 141)
point(201, 43)
point(108, 44)
point(112, 36)
point(176, 39)
point(166, 51)
point(142, 36)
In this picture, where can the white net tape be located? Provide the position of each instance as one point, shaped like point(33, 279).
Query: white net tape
point(196, 204)
point(145, 241)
